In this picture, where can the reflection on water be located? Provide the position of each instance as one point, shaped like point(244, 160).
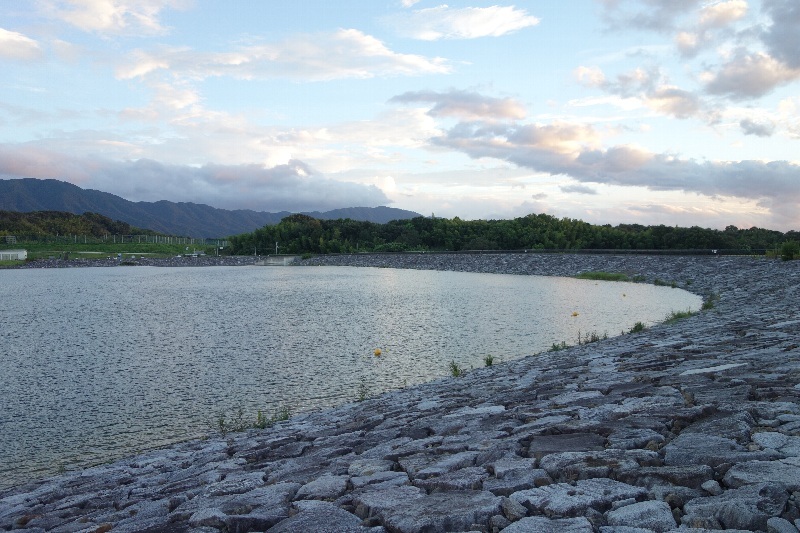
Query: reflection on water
point(100, 363)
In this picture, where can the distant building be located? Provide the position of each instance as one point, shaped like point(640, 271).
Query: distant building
point(13, 255)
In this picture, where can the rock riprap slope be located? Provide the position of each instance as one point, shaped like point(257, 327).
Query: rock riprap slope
point(692, 425)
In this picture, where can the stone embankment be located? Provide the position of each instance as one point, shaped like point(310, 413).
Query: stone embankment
point(692, 426)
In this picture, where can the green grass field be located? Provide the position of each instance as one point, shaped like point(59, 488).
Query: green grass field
point(96, 251)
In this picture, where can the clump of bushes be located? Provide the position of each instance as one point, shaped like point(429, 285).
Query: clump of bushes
point(790, 250)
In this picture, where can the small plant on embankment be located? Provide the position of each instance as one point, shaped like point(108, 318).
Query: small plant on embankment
point(456, 370)
point(363, 390)
point(237, 422)
point(557, 347)
point(709, 302)
point(592, 336)
point(638, 328)
point(604, 276)
point(280, 414)
point(488, 360)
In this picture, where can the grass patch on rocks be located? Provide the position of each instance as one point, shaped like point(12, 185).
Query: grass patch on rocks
point(678, 315)
point(604, 276)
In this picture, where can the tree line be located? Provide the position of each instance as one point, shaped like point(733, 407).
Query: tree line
point(301, 234)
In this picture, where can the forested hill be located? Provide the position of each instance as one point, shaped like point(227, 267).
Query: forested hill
point(302, 234)
point(62, 223)
point(170, 218)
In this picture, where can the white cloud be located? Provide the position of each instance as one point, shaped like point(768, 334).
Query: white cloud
point(759, 129)
point(345, 53)
point(713, 24)
point(578, 189)
point(650, 89)
point(750, 75)
point(721, 14)
point(670, 100)
point(465, 105)
point(444, 22)
point(689, 42)
point(18, 47)
point(111, 16)
point(590, 76)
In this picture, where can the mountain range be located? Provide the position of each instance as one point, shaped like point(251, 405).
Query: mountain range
point(172, 218)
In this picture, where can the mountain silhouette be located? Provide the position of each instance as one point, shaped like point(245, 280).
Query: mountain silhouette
point(172, 218)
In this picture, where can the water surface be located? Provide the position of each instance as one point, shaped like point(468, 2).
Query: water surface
point(99, 363)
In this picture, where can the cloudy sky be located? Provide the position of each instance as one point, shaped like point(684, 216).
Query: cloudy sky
point(670, 112)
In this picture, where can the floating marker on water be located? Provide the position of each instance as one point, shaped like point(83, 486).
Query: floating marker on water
point(377, 352)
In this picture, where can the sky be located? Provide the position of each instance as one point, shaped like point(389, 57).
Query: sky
point(676, 112)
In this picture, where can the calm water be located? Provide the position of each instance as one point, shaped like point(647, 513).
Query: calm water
point(99, 363)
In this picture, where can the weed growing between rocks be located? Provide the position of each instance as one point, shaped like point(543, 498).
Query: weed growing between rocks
point(637, 328)
point(556, 347)
point(661, 283)
point(237, 422)
point(592, 336)
point(455, 370)
point(709, 302)
point(363, 390)
point(488, 360)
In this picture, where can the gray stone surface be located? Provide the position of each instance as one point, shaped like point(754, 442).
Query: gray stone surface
point(541, 524)
point(656, 516)
point(323, 488)
point(746, 508)
point(780, 525)
point(712, 487)
point(697, 421)
point(785, 472)
point(324, 518)
point(441, 511)
point(567, 500)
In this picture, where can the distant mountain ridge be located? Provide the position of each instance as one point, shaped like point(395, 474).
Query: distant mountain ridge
point(173, 218)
